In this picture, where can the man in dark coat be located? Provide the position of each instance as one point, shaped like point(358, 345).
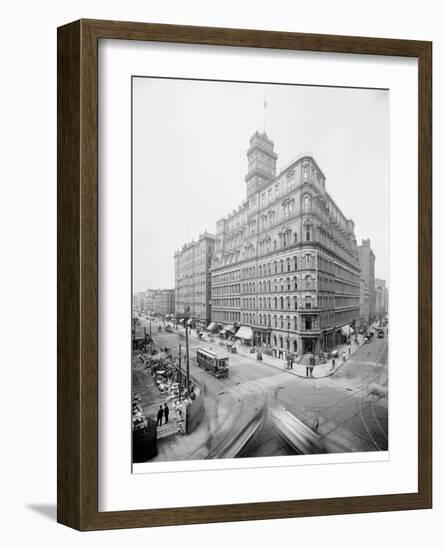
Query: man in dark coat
point(160, 416)
point(166, 412)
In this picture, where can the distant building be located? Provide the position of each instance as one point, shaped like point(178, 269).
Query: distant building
point(381, 297)
point(149, 300)
point(364, 301)
point(163, 302)
point(193, 280)
point(367, 266)
point(285, 269)
point(138, 301)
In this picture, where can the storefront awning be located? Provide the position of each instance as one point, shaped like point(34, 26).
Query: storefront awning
point(347, 330)
point(245, 333)
point(190, 321)
point(181, 320)
point(211, 326)
point(230, 328)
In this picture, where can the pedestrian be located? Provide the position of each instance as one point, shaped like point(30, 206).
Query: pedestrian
point(349, 350)
point(160, 416)
point(166, 413)
point(311, 371)
point(307, 371)
point(333, 363)
point(344, 356)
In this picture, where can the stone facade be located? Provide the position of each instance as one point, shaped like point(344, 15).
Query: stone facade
point(367, 266)
point(286, 261)
point(193, 279)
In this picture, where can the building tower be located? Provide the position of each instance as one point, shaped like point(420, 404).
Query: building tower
point(261, 163)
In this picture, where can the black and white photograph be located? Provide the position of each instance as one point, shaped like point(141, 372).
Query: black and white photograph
point(260, 270)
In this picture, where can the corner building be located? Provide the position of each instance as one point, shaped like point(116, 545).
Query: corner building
point(285, 265)
point(193, 280)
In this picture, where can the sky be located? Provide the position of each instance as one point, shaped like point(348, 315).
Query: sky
point(189, 159)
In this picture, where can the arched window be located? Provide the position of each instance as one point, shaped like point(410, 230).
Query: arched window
point(295, 323)
point(308, 302)
point(288, 283)
point(281, 266)
point(295, 303)
point(306, 203)
point(281, 321)
point(288, 322)
point(288, 264)
point(295, 283)
point(275, 303)
point(281, 302)
point(295, 238)
point(288, 302)
point(308, 233)
point(308, 282)
point(308, 323)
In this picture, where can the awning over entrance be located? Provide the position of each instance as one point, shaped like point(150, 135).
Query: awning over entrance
point(230, 328)
point(190, 321)
point(245, 333)
point(181, 320)
point(211, 326)
point(347, 330)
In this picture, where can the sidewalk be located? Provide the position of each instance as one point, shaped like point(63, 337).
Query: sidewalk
point(322, 370)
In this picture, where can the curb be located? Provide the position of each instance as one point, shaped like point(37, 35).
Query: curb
point(283, 369)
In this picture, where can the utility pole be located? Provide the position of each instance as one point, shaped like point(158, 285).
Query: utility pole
point(179, 371)
point(187, 361)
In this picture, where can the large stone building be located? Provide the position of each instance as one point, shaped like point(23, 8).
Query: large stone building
point(193, 280)
point(367, 266)
point(285, 265)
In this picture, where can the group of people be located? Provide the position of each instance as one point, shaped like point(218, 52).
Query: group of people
point(162, 412)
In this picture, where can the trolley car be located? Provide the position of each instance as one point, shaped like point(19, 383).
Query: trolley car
point(215, 362)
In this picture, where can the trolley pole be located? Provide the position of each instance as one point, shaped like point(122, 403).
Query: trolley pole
point(187, 362)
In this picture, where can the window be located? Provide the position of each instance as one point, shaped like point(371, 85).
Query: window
point(295, 238)
point(308, 302)
point(306, 203)
point(277, 190)
point(308, 233)
point(308, 282)
point(308, 323)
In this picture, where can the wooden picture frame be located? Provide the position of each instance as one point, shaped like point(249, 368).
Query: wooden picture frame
point(78, 273)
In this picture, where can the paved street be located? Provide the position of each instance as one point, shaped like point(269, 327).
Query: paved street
point(347, 409)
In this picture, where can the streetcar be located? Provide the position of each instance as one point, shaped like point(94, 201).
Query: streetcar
point(215, 362)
